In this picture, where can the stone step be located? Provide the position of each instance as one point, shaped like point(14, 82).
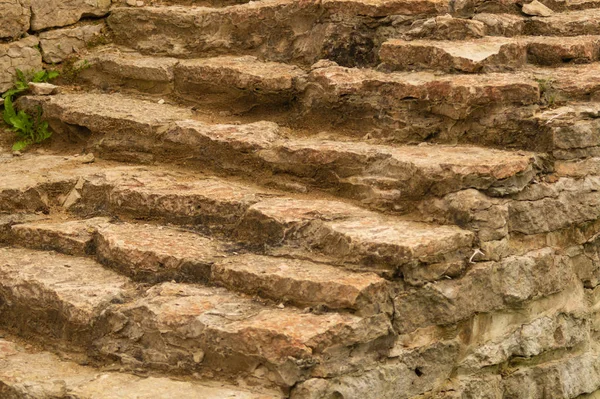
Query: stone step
point(211, 81)
point(194, 3)
point(30, 373)
point(199, 31)
point(347, 233)
point(56, 296)
point(384, 176)
point(574, 128)
point(572, 23)
point(415, 251)
point(152, 254)
point(82, 305)
point(569, 83)
point(210, 328)
point(490, 54)
point(70, 237)
point(457, 27)
point(418, 106)
point(190, 32)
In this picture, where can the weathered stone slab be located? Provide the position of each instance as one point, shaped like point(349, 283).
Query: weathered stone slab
point(485, 55)
point(34, 374)
point(569, 377)
point(304, 283)
point(501, 24)
point(572, 23)
point(72, 237)
point(486, 287)
point(446, 27)
point(59, 44)
point(548, 333)
point(14, 18)
point(267, 81)
point(352, 234)
point(194, 32)
point(573, 202)
point(54, 295)
point(33, 183)
point(56, 13)
point(189, 327)
point(157, 253)
point(489, 54)
point(415, 371)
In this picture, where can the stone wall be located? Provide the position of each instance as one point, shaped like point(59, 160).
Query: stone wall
point(33, 32)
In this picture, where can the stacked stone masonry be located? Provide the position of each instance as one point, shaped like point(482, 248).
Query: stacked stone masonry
point(322, 199)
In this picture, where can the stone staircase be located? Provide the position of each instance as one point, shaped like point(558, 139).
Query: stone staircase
point(335, 199)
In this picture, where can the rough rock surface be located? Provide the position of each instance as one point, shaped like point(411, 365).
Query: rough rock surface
point(336, 199)
point(53, 13)
point(14, 18)
point(59, 44)
point(21, 54)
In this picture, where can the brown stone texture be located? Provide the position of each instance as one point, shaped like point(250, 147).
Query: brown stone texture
point(53, 13)
point(335, 199)
point(14, 18)
point(59, 44)
point(21, 54)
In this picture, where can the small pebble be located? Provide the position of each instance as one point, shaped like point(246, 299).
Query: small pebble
point(161, 101)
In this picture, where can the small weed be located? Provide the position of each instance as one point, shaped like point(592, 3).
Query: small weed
point(98, 40)
point(72, 67)
point(30, 129)
point(548, 94)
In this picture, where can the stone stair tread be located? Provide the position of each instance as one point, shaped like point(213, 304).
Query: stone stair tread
point(252, 214)
point(147, 116)
point(574, 83)
point(419, 170)
point(154, 253)
point(372, 239)
point(382, 8)
point(129, 64)
point(213, 321)
point(303, 282)
point(82, 294)
point(240, 72)
point(32, 373)
point(157, 253)
point(465, 89)
point(569, 23)
point(69, 237)
point(488, 54)
point(427, 159)
point(74, 288)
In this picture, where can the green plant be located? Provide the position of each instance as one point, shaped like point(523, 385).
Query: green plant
point(548, 94)
point(72, 67)
point(30, 129)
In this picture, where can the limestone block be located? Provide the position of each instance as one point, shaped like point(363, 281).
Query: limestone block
point(22, 55)
point(61, 43)
point(14, 17)
point(55, 13)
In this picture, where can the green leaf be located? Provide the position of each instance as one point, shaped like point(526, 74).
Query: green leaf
point(52, 75)
point(39, 76)
point(21, 76)
point(20, 145)
point(9, 111)
point(22, 123)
